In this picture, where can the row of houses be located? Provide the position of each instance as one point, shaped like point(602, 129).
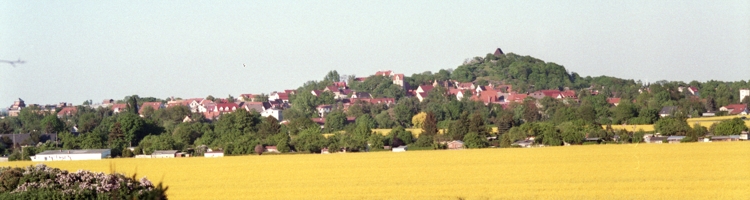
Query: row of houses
point(490, 94)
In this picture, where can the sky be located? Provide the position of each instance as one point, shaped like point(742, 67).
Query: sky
point(81, 50)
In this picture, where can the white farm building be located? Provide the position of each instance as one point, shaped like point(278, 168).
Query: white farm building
point(84, 154)
point(214, 154)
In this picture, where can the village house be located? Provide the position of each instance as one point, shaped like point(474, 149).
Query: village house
point(613, 101)
point(744, 93)
point(271, 149)
point(16, 107)
point(118, 108)
point(213, 154)
point(164, 154)
point(675, 139)
point(323, 110)
point(735, 109)
point(67, 111)
point(726, 138)
point(422, 91)
point(399, 149)
point(667, 111)
point(456, 144)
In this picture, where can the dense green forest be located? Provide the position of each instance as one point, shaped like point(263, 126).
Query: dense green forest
point(550, 121)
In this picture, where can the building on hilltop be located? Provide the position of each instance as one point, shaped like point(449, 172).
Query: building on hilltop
point(499, 52)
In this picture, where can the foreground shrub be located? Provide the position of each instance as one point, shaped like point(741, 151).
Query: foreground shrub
point(42, 182)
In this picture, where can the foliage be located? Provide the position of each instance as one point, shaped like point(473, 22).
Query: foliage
point(42, 182)
point(429, 127)
point(672, 126)
point(730, 127)
point(310, 140)
point(418, 120)
point(474, 140)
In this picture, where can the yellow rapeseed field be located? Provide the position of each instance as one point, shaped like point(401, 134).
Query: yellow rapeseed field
point(634, 171)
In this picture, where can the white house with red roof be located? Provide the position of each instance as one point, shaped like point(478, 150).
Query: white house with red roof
point(281, 96)
point(384, 73)
point(613, 101)
point(119, 107)
point(735, 109)
point(323, 110)
point(465, 86)
point(226, 107)
point(422, 91)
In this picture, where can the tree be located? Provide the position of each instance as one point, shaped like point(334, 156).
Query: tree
point(475, 140)
point(531, 112)
point(230, 99)
point(384, 120)
point(133, 105)
point(6, 127)
point(259, 149)
point(476, 125)
point(429, 127)
point(310, 140)
point(210, 98)
point(335, 121)
point(52, 124)
point(269, 126)
point(418, 120)
point(332, 76)
point(730, 127)
point(262, 97)
point(672, 126)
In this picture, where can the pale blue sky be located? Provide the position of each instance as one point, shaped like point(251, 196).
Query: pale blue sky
point(80, 50)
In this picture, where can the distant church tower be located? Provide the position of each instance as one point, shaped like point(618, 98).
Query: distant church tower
point(499, 52)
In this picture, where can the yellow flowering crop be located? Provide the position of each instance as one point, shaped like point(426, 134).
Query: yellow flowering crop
point(633, 171)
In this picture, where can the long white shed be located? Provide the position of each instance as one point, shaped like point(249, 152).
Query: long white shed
point(83, 154)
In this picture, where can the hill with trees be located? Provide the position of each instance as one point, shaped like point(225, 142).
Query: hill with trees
point(598, 101)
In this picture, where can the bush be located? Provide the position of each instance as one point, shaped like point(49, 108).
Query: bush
point(424, 141)
point(42, 182)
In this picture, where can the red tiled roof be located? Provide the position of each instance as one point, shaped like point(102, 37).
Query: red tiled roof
point(398, 77)
point(568, 94)
point(426, 88)
point(340, 84)
point(465, 85)
point(226, 107)
point(486, 97)
point(70, 110)
point(613, 100)
point(736, 108)
point(319, 121)
point(332, 88)
point(154, 105)
point(119, 106)
point(283, 96)
point(383, 73)
point(211, 115)
point(517, 97)
point(316, 92)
